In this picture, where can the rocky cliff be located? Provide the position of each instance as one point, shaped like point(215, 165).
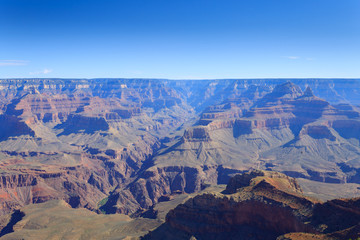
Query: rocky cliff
point(259, 205)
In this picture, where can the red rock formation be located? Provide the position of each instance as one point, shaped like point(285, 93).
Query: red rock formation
point(260, 205)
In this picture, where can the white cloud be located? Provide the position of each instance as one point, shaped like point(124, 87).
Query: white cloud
point(13, 62)
point(292, 57)
point(45, 71)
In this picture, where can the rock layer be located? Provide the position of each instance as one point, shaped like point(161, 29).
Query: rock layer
point(259, 205)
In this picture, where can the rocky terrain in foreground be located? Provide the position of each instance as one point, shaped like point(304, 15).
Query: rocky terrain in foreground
point(253, 205)
point(123, 145)
point(261, 205)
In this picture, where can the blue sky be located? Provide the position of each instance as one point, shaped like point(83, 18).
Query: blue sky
point(180, 39)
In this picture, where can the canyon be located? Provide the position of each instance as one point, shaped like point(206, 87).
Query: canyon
point(123, 146)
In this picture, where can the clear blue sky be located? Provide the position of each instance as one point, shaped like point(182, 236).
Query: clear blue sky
point(179, 38)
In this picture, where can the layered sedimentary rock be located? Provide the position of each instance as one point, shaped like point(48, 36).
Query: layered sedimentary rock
point(90, 136)
point(283, 130)
point(287, 130)
point(136, 140)
point(82, 185)
point(260, 205)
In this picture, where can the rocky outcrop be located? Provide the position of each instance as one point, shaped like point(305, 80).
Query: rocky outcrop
point(246, 179)
point(50, 107)
point(18, 190)
point(210, 214)
point(78, 123)
point(258, 205)
point(82, 185)
point(337, 214)
point(156, 182)
point(12, 181)
point(127, 113)
point(200, 134)
point(318, 132)
point(281, 93)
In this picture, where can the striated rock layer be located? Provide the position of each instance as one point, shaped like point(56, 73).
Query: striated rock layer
point(260, 205)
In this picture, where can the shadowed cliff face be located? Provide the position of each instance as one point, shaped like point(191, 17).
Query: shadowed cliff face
point(132, 141)
point(258, 205)
point(88, 125)
point(196, 134)
point(11, 126)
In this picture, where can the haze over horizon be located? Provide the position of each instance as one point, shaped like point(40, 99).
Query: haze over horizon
point(179, 39)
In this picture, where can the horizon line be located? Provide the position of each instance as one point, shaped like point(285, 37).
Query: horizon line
point(185, 79)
